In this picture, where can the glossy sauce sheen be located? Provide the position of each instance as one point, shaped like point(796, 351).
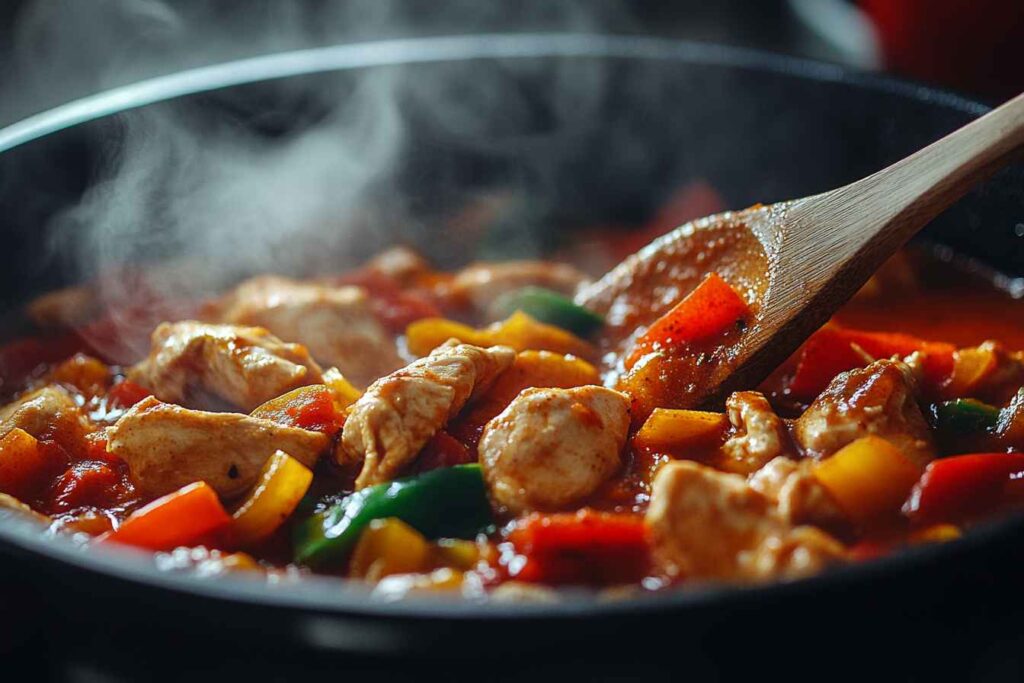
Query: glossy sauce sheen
point(648, 284)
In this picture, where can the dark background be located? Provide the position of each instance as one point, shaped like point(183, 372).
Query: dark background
point(52, 51)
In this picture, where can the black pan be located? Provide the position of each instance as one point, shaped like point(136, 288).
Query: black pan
point(569, 131)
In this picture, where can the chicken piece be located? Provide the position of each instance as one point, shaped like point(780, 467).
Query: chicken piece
point(48, 414)
point(64, 307)
point(245, 366)
point(167, 446)
point(798, 495)
point(707, 524)
point(336, 324)
point(400, 263)
point(879, 400)
point(551, 448)
point(759, 434)
point(480, 285)
point(398, 414)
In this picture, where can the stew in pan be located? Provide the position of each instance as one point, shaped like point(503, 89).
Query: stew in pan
point(474, 431)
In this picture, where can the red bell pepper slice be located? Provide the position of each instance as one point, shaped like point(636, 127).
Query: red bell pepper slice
point(967, 486)
point(192, 515)
point(85, 483)
point(311, 408)
point(834, 349)
point(708, 311)
point(127, 393)
point(586, 547)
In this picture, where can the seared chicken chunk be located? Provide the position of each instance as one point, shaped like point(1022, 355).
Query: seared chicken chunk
point(879, 400)
point(482, 284)
point(167, 446)
point(398, 414)
point(707, 524)
point(400, 263)
point(48, 413)
point(554, 447)
point(336, 324)
point(759, 433)
point(244, 366)
point(64, 307)
point(797, 493)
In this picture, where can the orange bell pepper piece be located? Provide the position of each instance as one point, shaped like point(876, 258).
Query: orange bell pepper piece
point(707, 311)
point(834, 349)
point(192, 515)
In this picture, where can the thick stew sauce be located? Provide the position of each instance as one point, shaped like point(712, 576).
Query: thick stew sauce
point(482, 432)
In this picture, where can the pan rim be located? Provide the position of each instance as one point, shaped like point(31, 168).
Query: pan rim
point(360, 55)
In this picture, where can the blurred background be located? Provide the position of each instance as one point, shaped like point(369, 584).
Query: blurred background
point(52, 51)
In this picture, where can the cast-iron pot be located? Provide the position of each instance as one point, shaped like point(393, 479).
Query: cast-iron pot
point(582, 130)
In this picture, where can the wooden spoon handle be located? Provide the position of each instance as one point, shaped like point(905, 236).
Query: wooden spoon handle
point(871, 218)
point(824, 248)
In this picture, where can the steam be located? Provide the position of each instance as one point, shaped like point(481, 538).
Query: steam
point(195, 197)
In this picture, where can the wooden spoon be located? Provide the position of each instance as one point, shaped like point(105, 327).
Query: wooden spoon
point(797, 262)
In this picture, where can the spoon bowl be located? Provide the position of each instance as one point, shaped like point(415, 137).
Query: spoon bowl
point(795, 262)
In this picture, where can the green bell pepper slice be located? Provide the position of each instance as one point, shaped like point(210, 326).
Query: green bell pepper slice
point(450, 502)
point(965, 416)
point(552, 308)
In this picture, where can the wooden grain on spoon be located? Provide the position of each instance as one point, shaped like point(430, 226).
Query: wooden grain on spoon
point(794, 262)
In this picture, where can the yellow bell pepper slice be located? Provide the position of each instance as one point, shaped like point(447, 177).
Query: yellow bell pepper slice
point(456, 553)
point(523, 332)
point(869, 478)
point(389, 546)
point(672, 430)
point(282, 484)
point(345, 394)
point(519, 330)
point(423, 336)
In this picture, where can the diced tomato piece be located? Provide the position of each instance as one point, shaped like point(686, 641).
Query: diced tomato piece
point(192, 515)
point(85, 483)
point(26, 465)
point(394, 306)
point(708, 311)
point(967, 486)
point(311, 407)
point(834, 349)
point(443, 450)
point(586, 547)
point(125, 394)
